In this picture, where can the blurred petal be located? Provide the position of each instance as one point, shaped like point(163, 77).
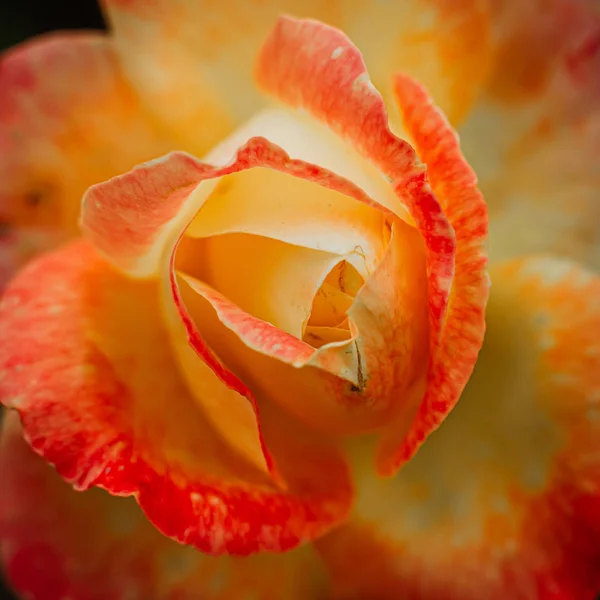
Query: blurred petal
point(58, 543)
point(68, 119)
point(191, 60)
point(503, 501)
point(455, 353)
point(87, 363)
point(533, 138)
point(311, 66)
point(444, 45)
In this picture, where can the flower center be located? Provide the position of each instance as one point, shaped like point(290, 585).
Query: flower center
point(328, 321)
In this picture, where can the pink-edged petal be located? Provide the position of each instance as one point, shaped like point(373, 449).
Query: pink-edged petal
point(68, 119)
point(311, 66)
point(503, 501)
point(533, 137)
point(87, 362)
point(455, 184)
point(57, 543)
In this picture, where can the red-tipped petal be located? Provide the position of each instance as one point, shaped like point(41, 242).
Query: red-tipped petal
point(503, 501)
point(57, 543)
point(309, 65)
point(68, 119)
point(86, 361)
point(455, 184)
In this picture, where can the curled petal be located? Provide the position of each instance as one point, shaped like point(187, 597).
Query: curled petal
point(59, 543)
point(87, 363)
point(328, 78)
point(454, 356)
point(503, 501)
point(58, 137)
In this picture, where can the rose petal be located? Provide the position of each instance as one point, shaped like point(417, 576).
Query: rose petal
point(136, 220)
point(58, 543)
point(455, 184)
point(312, 66)
point(57, 137)
point(268, 279)
point(534, 135)
point(357, 384)
point(445, 45)
point(504, 500)
point(88, 365)
point(203, 52)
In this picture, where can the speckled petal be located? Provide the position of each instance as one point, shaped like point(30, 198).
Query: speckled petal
point(86, 360)
point(314, 67)
point(56, 543)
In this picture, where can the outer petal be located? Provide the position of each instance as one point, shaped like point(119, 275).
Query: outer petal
point(445, 45)
point(533, 138)
point(504, 500)
point(203, 52)
point(87, 363)
point(68, 119)
point(197, 56)
point(312, 66)
point(461, 337)
point(58, 543)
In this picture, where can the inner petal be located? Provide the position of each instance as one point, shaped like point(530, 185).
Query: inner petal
point(276, 205)
point(269, 279)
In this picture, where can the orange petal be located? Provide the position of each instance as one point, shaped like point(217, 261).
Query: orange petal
point(68, 119)
point(534, 135)
point(57, 543)
point(311, 66)
point(503, 501)
point(445, 45)
point(86, 362)
point(196, 55)
point(456, 351)
point(191, 60)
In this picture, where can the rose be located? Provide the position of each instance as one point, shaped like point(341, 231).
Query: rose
point(109, 334)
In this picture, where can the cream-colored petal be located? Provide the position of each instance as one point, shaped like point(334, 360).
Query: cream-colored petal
point(271, 280)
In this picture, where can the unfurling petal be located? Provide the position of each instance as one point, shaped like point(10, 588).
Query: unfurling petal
point(533, 138)
point(57, 543)
point(503, 501)
point(311, 66)
point(87, 362)
point(68, 119)
point(455, 353)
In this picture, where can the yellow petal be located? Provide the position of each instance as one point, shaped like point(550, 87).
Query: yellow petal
point(191, 60)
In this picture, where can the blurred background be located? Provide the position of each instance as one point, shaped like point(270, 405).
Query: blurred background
point(22, 19)
point(25, 18)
